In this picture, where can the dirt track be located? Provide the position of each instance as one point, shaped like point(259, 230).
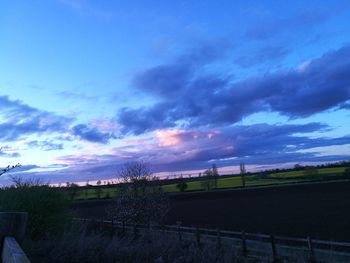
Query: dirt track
point(319, 210)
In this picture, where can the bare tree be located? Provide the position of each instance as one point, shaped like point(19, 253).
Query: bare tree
point(140, 199)
point(72, 190)
point(208, 181)
point(98, 189)
point(19, 182)
point(137, 175)
point(9, 168)
point(215, 175)
point(243, 173)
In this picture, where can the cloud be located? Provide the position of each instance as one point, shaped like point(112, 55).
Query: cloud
point(18, 120)
point(9, 155)
point(45, 145)
point(170, 79)
point(345, 105)
point(190, 97)
point(25, 168)
point(91, 134)
point(174, 149)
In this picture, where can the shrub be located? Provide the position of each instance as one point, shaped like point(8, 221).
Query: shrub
point(182, 186)
point(47, 207)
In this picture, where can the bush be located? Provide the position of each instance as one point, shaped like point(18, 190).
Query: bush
point(47, 207)
point(182, 186)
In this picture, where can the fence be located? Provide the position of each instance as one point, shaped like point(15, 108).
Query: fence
point(250, 245)
point(12, 229)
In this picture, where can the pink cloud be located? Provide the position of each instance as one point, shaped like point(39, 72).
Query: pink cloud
point(168, 138)
point(104, 124)
point(176, 137)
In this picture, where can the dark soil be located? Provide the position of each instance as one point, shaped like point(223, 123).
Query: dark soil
point(321, 210)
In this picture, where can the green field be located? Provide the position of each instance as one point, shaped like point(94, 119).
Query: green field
point(232, 182)
point(322, 171)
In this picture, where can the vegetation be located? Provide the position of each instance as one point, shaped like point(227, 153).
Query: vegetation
point(243, 173)
point(47, 207)
point(89, 246)
point(182, 186)
point(98, 189)
point(140, 199)
point(210, 178)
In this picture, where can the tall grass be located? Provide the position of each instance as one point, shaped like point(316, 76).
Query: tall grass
point(86, 246)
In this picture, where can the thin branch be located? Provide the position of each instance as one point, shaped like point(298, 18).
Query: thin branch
point(9, 168)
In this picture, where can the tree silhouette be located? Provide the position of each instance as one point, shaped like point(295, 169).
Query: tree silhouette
point(140, 199)
point(215, 174)
point(243, 173)
point(182, 186)
point(98, 189)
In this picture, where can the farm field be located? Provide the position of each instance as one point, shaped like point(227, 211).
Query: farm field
point(228, 182)
point(321, 210)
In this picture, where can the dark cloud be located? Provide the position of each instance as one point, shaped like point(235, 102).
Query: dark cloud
point(91, 134)
point(254, 141)
point(46, 145)
point(255, 144)
point(19, 119)
point(3, 153)
point(196, 99)
point(170, 79)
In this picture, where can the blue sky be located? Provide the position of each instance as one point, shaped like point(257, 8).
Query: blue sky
point(88, 85)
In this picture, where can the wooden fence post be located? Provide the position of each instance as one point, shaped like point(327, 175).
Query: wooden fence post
point(13, 224)
point(244, 245)
point(311, 251)
point(136, 234)
point(179, 231)
point(273, 249)
point(218, 239)
point(198, 236)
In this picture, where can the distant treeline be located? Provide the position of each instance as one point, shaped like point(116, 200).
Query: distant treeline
point(200, 176)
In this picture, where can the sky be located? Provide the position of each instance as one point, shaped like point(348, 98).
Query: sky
point(86, 86)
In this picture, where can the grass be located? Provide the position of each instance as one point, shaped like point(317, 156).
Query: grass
point(228, 182)
point(103, 245)
point(322, 171)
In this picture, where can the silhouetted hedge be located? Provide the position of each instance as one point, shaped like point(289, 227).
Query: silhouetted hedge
point(47, 207)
